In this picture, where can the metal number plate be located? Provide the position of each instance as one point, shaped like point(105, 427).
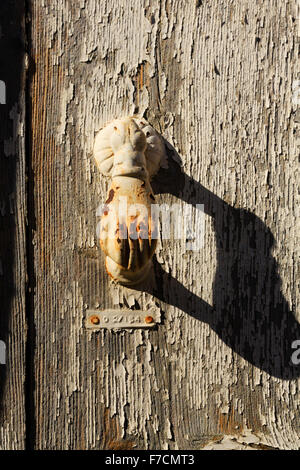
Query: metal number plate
point(113, 318)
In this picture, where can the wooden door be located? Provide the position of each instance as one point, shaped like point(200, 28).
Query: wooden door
point(218, 80)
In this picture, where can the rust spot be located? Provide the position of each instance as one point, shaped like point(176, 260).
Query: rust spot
point(110, 275)
point(95, 320)
point(149, 319)
point(141, 79)
point(105, 212)
point(110, 196)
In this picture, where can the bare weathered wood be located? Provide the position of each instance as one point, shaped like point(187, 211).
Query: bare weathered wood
point(215, 78)
point(12, 227)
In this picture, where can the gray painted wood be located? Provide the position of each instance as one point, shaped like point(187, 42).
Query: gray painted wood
point(12, 227)
point(215, 78)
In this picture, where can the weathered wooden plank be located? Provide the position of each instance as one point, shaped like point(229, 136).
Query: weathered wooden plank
point(12, 226)
point(216, 79)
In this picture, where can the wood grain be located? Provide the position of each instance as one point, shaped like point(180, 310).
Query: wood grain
point(12, 226)
point(215, 78)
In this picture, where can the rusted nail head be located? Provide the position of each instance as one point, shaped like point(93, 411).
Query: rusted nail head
point(95, 320)
point(149, 319)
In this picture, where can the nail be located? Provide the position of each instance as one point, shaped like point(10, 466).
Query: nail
point(95, 320)
point(149, 319)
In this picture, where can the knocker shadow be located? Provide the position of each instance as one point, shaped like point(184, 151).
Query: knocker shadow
point(249, 312)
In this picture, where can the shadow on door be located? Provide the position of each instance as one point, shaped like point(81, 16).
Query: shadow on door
point(249, 312)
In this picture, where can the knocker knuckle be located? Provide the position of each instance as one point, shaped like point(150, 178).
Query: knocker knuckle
point(130, 151)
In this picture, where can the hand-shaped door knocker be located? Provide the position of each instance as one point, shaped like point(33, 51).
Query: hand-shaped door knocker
point(130, 151)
